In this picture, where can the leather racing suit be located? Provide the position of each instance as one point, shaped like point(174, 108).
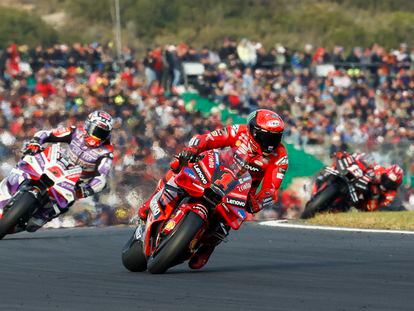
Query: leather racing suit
point(267, 171)
point(96, 164)
point(379, 196)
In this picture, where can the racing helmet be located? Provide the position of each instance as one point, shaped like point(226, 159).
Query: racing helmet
point(392, 177)
point(265, 129)
point(98, 127)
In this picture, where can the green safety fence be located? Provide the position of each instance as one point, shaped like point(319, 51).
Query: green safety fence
point(301, 164)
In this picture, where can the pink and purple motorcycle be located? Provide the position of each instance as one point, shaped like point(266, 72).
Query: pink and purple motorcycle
point(40, 181)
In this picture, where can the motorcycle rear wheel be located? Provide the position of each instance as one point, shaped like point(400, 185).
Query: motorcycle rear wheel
point(133, 257)
point(176, 245)
point(321, 201)
point(23, 205)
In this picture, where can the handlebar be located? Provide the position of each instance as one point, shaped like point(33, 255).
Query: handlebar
point(177, 163)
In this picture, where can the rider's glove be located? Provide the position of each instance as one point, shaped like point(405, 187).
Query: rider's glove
point(84, 191)
point(252, 206)
point(187, 155)
point(257, 204)
point(32, 147)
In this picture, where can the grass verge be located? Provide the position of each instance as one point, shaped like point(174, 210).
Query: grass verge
point(376, 220)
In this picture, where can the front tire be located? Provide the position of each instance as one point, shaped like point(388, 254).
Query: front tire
point(23, 204)
point(176, 245)
point(320, 202)
point(133, 257)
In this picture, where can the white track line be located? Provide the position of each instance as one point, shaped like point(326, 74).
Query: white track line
point(284, 224)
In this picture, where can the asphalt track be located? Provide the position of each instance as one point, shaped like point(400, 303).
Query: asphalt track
point(260, 268)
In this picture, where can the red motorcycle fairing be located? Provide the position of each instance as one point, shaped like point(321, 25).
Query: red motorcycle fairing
point(234, 216)
point(168, 219)
point(183, 210)
point(194, 178)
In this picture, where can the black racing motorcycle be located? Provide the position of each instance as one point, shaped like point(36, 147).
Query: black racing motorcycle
point(342, 187)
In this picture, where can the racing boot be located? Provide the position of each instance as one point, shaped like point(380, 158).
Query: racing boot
point(41, 217)
point(200, 258)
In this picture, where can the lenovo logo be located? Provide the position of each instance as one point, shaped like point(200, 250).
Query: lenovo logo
point(246, 165)
point(200, 174)
point(235, 202)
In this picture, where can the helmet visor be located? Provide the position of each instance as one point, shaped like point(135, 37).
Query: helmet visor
point(268, 141)
point(388, 183)
point(98, 132)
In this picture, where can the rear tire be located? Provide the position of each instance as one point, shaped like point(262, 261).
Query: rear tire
point(176, 245)
point(320, 202)
point(23, 205)
point(133, 257)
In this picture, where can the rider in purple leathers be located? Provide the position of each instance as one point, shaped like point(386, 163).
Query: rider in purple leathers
point(89, 148)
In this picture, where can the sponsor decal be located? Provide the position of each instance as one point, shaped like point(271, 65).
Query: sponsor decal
point(67, 186)
point(64, 161)
point(235, 202)
point(273, 123)
point(155, 209)
point(138, 232)
point(246, 165)
point(234, 130)
point(241, 213)
point(258, 162)
point(200, 174)
point(243, 149)
point(59, 132)
point(225, 207)
point(40, 160)
point(216, 157)
point(282, 161)
point(243, 187)
point(392, 176)
point(104, 115)
point(211, 163)
point(170, 225)
point(194, 142)
point(55, 171)
point(189, 172)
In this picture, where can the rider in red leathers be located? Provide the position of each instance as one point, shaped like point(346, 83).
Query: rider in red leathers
point(384, 180)
point(384, 189)
point(260, 142)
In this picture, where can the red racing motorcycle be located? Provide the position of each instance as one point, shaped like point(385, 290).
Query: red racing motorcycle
point(215, 189)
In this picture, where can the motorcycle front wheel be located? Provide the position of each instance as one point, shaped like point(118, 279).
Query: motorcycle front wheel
point(176, 244)
point(22, 205)
point(321, 201)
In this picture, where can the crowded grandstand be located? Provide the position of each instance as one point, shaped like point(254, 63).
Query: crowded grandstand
point(358, 99)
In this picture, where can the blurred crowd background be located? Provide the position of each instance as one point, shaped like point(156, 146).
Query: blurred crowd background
point(340, 98)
